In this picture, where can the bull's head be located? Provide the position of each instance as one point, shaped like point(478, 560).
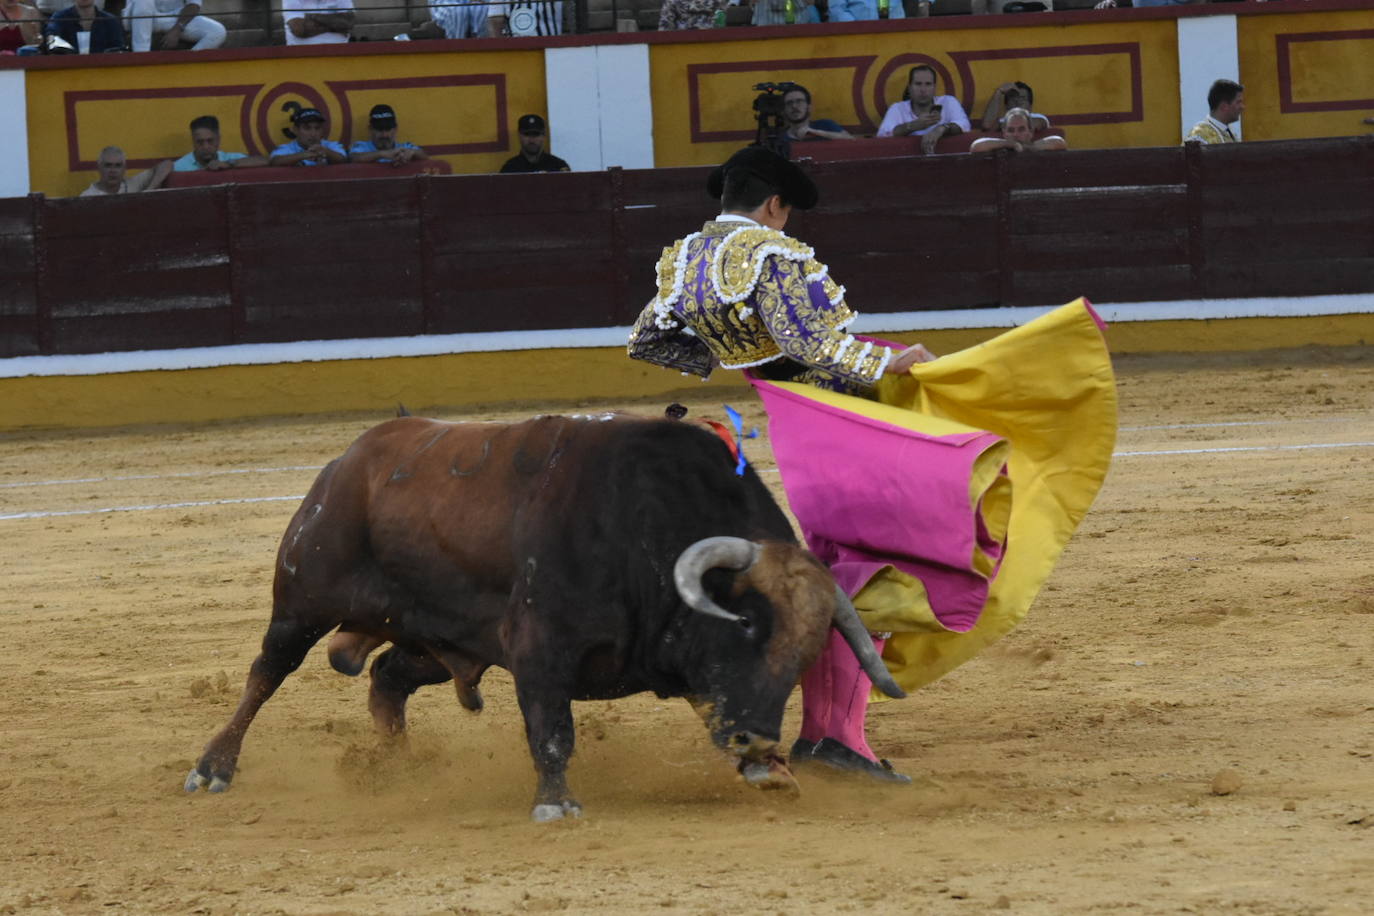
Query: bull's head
point(782, 602)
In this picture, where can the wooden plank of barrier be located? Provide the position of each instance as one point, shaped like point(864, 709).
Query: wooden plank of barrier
point(1150, 167)
point(911, 234)
point(524, 252)
point(122, 275)
point(329, 260)
point(19, 320)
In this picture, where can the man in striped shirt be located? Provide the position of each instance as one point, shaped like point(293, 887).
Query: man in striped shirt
point(454, 19)
point(521, 18)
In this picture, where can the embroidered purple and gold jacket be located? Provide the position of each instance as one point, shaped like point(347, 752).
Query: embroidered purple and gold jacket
point(741, 295)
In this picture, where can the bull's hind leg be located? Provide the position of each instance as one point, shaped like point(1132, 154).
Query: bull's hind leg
point(283, 649)
point(396, 674)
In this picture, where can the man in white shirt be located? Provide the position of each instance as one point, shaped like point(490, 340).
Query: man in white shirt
point(176, 20)
point(453, 19)
point(317, 22)
point(111, 164)
point(923, 113)
point(1017, 134)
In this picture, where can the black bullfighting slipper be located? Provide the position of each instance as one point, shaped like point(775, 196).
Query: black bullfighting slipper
point(801, 752)
point(834, 754)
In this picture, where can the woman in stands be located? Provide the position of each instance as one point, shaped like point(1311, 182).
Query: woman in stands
point(20, 24)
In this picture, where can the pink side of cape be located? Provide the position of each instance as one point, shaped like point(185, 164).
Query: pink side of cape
point(869, 494)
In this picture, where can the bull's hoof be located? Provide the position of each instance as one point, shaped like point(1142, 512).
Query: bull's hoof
point(542, 814)
point(195, 781)
point(772, 773)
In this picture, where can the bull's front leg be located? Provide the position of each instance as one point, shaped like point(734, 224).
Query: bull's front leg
point(549, 730)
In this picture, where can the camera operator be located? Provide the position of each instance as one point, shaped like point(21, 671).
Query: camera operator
point(796, 108)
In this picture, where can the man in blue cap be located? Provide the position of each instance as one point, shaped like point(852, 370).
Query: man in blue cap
point(310, 146)
point(381, 145)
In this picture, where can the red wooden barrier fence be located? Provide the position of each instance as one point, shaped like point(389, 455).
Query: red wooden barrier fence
point(439, 254)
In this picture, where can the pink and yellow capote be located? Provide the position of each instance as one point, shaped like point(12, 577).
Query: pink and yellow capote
point(942, 506)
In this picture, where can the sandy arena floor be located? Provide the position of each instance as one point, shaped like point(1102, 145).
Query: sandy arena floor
point(1215, 613)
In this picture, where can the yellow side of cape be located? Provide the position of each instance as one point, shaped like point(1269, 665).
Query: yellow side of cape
point(1048, 388)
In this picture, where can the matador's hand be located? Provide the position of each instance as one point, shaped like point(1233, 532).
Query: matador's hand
point(903, 361)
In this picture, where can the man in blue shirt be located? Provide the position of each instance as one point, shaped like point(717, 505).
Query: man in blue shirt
point(796, 108)
point(206, 154)
point(382, 147)
point(310, 146)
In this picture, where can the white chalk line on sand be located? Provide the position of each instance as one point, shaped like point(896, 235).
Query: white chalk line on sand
point(267, 499)
point(180, 475)
point(152, 506)
point(1243, 448)
point(315, 468)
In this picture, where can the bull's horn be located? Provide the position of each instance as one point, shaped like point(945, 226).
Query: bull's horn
point(852, 629)
point(710, 553)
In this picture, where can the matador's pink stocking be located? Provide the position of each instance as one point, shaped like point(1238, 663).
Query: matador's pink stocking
point(835, 697)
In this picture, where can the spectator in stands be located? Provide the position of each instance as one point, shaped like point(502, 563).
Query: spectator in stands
point(532, 157)
point(689, 14)
point(310, 146)
point(1006, 97)
point(381, 145)
point(176, 20)
point(206, 154)
point(774, 12)
point(86, 28)
point(522, 18)
point(317, 22)
point(922, 113)
point(1017, 134)
point(1226, 99)
point(796, 109)
point(1112, 4)
point(20, 24)
point(111, 165)
point(453, 19)
point(853, 10)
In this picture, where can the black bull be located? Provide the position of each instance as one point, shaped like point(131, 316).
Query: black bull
point(592, 557)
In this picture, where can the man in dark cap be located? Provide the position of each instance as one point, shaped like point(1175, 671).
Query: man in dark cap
point(310, 146)
point(744, 295)
point(381, 145)
point(532, 158)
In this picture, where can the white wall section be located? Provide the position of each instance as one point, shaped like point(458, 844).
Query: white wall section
point(601, 113)
point(14, 142)
point(1207, 52)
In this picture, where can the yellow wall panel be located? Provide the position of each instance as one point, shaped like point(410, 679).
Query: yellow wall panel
point(1307, 74)
point(1108, 85)
point(460, 106)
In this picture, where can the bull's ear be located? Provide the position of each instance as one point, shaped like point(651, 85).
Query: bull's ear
point(401, 410)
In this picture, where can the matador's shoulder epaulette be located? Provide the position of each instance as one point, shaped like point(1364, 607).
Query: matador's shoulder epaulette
point(738, 260)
